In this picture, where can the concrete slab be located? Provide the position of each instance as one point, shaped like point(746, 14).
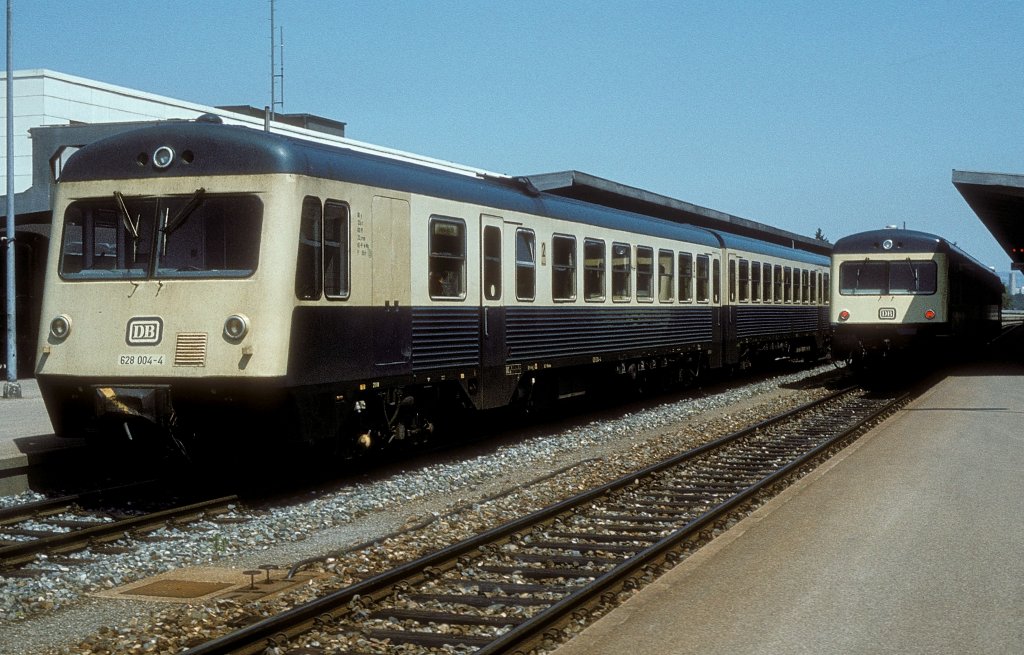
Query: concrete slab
point(910, 543)
point(25, 434)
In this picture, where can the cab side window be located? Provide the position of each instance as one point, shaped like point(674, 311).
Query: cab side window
point(308, 262)
point(336, 270)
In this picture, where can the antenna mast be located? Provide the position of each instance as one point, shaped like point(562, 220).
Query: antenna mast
point(276, 71)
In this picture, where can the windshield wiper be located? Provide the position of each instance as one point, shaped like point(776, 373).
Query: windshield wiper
point(172, 223)
point(132, 227)
point(182, 215)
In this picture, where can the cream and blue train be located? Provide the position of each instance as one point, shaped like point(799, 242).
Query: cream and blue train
point(896, 291)
point(215, 283)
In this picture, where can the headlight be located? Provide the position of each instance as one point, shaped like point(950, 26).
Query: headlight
point(163, 157)
point(236, 327)
point(60, 327)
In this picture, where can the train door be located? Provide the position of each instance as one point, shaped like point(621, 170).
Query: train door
point(494, 385)
point(390, 283)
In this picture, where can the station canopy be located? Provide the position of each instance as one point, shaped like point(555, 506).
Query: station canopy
point(998, 200)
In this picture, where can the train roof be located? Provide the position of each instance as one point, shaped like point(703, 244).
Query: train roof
point(756, 246)
point(909, 241)
point(213, 149)
point(902, 240)
point(596, 190)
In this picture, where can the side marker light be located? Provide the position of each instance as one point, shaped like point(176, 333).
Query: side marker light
point(929, 314)
point(844, 315)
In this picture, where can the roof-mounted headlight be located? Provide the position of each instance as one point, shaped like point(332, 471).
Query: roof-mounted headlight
point(163, 157)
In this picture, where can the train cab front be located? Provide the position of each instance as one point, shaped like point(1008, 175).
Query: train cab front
point(158, 310)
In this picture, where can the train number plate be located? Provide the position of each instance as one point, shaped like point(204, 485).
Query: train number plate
point(887, 313)
point(141, 360)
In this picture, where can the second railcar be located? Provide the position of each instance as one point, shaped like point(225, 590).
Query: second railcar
point(903, 290)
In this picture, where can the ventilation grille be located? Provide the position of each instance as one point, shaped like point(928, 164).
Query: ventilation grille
point(190, 349)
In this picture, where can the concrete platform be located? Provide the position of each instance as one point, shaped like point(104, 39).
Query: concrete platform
point(911, 541)
point(25, 436)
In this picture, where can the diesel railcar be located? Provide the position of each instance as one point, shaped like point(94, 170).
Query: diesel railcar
point(212, 283)
point(903, 291)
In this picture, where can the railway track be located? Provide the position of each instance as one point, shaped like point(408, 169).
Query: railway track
point(505, 589)
point(56, 527)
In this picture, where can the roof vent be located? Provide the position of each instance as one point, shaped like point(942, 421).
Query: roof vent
point(210, 118)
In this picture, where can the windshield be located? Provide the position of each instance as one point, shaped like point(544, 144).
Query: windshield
point(887, 278)
point(162, 237)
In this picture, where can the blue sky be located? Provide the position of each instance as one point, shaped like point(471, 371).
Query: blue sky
point(842, 116)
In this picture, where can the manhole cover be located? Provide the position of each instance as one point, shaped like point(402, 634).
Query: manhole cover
point(171, 588)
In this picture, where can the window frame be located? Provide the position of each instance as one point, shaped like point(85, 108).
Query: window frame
point(342, 246)
point(566, 270)
point(438, 256)
point(622, 271)
point(666, 281)
point(644, 273)
point(685, 293)
point(594, 272)
point(702, 279)
point(523, 265)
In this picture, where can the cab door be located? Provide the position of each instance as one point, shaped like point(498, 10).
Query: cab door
point(390, 284)
point(494, 385)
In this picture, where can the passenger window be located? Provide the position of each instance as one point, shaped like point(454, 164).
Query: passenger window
point(308, 262)
point(826, 289)
point(744, 281)
point(732, 280)
point(594, 267)
point(787, 284)
point(336, 271)
point(492, 262)
point(644, 273)
point(447, 259)
point(777, 285)
point(703, 277)
point(755, 282)
point(526, 264)
point(563, 268)
point(766, 281)
point(685, 277)
point(805, 286)
point(666, 275)
point(621, 269)
point(716, 282)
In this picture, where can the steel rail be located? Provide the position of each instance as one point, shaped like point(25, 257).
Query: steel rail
point(23, 552)
point(253, 638)
point(532, 628)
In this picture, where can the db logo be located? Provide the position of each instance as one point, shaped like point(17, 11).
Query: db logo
point(887, 313)
point(144, 331)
